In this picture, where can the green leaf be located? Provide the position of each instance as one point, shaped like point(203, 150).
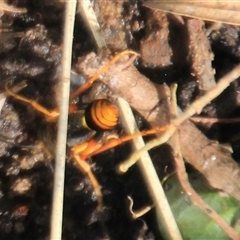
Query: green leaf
point(193, 223)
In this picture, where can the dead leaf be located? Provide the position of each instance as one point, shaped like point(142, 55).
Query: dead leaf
point(225, 11)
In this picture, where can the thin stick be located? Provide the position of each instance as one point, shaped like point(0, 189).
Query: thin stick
point(163, 210)
point(57, 204)
point(89, 17)
point(195, 107)
point(137, 213)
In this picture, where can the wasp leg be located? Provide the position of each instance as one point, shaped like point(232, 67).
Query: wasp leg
point(86, 169)
point(113, 142)
point(87, 149)
point(90, 81)
point(49, 115)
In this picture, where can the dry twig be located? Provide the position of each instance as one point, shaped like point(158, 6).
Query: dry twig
point(59, 175)
point(148, 171)
point(86, 10)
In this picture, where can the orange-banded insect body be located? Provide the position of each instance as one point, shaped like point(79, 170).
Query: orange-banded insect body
point(101, 114)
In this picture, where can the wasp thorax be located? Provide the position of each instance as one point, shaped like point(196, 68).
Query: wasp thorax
point(102, 114)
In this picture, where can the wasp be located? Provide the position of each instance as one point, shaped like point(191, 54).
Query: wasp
point(101, 115)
